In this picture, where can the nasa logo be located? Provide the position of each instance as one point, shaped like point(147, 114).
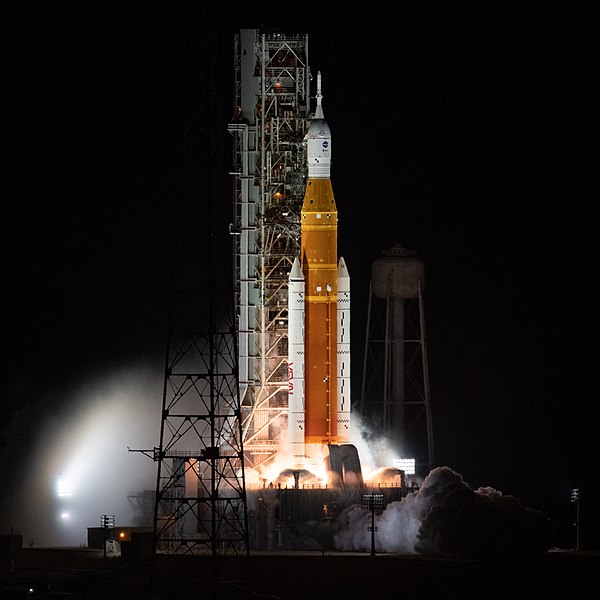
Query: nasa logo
point(325, 143)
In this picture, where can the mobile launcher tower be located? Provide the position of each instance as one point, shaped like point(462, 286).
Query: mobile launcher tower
point(292, 291)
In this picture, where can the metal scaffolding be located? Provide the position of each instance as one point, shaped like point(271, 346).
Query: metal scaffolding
point(271, 88)
point(200, 505)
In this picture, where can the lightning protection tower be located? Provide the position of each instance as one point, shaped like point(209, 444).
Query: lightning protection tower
point(395, 394)
point(200, 490)
point(271, 91)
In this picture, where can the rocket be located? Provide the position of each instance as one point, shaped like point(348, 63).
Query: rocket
point(318, 311)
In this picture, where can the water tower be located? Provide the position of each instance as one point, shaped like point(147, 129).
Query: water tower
point(395, 394)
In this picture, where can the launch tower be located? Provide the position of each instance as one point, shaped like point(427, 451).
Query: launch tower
point(272, 100)
point(200, 503)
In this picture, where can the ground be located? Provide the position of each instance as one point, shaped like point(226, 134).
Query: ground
point(85, 574)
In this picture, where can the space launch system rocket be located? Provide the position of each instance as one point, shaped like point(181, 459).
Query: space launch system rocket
point(318, 311)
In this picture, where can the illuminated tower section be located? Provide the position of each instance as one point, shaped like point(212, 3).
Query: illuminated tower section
point(272, 91)
point(326, 325)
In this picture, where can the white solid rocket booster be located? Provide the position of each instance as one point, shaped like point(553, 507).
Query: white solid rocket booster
point(296, 360)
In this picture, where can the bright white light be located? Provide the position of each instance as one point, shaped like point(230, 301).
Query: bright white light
point(81, 463)
point(405, 464)
point(64, 488)
point(64, 516)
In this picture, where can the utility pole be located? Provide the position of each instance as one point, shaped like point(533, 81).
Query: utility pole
point(106, 522)
point(575, 500)
point(372, 502)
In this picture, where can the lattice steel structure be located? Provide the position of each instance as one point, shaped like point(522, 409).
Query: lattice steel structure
point(200, 491)
point(395, 394)
point(272, 84)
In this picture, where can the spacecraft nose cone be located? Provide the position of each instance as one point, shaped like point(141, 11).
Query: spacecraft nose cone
point(318, 129)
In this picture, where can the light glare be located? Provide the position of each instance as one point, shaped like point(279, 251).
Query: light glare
point(64, 488)
point(405, 464)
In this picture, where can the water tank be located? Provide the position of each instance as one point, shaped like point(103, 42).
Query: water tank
point(400, 269)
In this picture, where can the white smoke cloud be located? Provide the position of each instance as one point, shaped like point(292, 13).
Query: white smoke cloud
point(446, 517)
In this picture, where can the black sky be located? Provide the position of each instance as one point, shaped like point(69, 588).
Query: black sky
point(465, 133)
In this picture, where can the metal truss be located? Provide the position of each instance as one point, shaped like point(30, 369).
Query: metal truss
point(395, 395)
point(268, 129)
point(200, 505)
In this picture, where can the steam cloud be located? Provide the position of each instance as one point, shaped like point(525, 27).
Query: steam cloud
point(448, 518)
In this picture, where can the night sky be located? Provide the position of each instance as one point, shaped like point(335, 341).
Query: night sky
point(464, 133)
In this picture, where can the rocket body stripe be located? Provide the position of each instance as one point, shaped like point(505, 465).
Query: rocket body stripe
point(319, 299)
